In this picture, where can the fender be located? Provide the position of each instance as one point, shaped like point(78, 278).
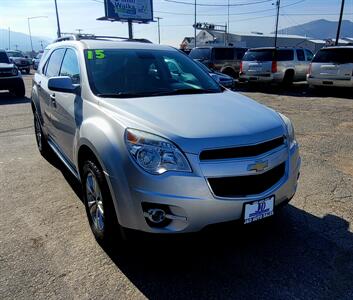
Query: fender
point(106, 144)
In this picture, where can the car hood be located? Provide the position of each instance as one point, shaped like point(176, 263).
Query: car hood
point(204, 121)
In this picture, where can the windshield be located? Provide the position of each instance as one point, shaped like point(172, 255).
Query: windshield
point(340, 56)
point(128, 73)
point(3, 58)
point(14, 54)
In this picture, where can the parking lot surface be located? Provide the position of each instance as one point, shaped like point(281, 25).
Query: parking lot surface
point(304, 252)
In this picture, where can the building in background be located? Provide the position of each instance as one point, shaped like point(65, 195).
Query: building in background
point(255, 40)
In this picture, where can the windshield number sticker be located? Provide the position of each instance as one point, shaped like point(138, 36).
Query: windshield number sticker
point(95, 54)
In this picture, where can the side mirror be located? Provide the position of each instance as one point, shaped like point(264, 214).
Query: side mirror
point(63, 84)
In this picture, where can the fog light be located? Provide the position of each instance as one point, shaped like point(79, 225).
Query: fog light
point(156, 215)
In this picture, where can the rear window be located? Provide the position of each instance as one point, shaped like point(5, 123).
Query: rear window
point(200, 53)
point(240, 53)
point(340, 56)
point(224, 53)
point(259, 55)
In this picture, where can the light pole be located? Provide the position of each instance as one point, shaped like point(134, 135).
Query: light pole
point(29, 28)
point(195, 25)
point(159, 29)
point(57, 19)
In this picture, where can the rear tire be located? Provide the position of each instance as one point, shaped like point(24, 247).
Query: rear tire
point(288, 78)
point(41, 140)
point(99, 204)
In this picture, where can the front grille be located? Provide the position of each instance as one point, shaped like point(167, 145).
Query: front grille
point(244, 151)
point(242, 186)
point(6, 72)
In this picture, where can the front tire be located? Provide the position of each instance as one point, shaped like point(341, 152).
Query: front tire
point(19, 90)
point(99, 204)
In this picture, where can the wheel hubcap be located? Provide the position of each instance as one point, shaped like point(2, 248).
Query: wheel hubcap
point(38, 133)
point(94, 201)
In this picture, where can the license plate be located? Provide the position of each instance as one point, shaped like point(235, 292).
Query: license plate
point(258, 210)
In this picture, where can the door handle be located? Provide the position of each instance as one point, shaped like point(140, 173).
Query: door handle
point(52, 98)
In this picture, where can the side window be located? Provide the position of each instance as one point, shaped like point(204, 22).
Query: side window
point(300, 55)
point(52, 67)
point(285, 55)
point(70, 66)
point(309, 55)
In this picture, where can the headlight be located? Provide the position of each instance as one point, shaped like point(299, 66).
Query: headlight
point(155, 154)
point(14, 71)
point(290, 129)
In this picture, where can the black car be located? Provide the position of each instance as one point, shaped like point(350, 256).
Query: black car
point(22, 62)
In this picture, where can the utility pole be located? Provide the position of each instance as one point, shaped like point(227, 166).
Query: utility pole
point(57, 19)
point(339, 24)
point(159, 29)
point(131, 35)
point(278, 4)
point(41, 44)
point(195, 25)
point(30, 34)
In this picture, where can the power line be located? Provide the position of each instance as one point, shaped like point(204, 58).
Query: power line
point(219, 5)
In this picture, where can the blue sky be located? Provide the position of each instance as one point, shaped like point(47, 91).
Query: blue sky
point(177, 18)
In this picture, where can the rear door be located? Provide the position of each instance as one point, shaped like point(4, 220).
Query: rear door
point(67, 108)
point(50, 69)
point(333, 63)
point(301, 66)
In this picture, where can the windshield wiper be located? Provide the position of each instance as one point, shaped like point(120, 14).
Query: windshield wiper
point(186, 92)
point(123, 95)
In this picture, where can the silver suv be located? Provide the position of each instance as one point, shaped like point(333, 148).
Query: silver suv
point(157, 152)
point(332, 66)
point(281, 65)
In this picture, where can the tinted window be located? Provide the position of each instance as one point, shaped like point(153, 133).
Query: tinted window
point(200, 53)
point(300, 55)
point(240, 53)
point(3, 58)
point(224, 53)
point(340, 56)
point(284, 55)
point(309, 55)
point(53, 65)
point(259, 55)
point(70, 66)
point(142, 73)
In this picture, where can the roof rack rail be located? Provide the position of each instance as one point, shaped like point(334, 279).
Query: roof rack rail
point(81, 36)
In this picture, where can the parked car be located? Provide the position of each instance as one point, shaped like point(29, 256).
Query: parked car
point(221, 78)
point(22, 62)
point(281, 65)
point(36, 60)
point(223, 59)
point(10, 77)
point(332, 66)
point(155, 152)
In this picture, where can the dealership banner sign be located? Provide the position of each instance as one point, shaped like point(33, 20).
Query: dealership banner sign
point(129, 10)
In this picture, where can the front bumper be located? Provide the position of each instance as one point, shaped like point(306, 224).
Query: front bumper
point(7, 83)
point(330, 82)
point(188, 195)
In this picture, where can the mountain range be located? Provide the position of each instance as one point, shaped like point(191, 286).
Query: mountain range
point(320, 29)
point(22, 41)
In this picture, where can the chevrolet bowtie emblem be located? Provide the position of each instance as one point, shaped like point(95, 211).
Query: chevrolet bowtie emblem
point(258, 166)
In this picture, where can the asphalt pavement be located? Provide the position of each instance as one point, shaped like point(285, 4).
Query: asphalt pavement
point(305, 252)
